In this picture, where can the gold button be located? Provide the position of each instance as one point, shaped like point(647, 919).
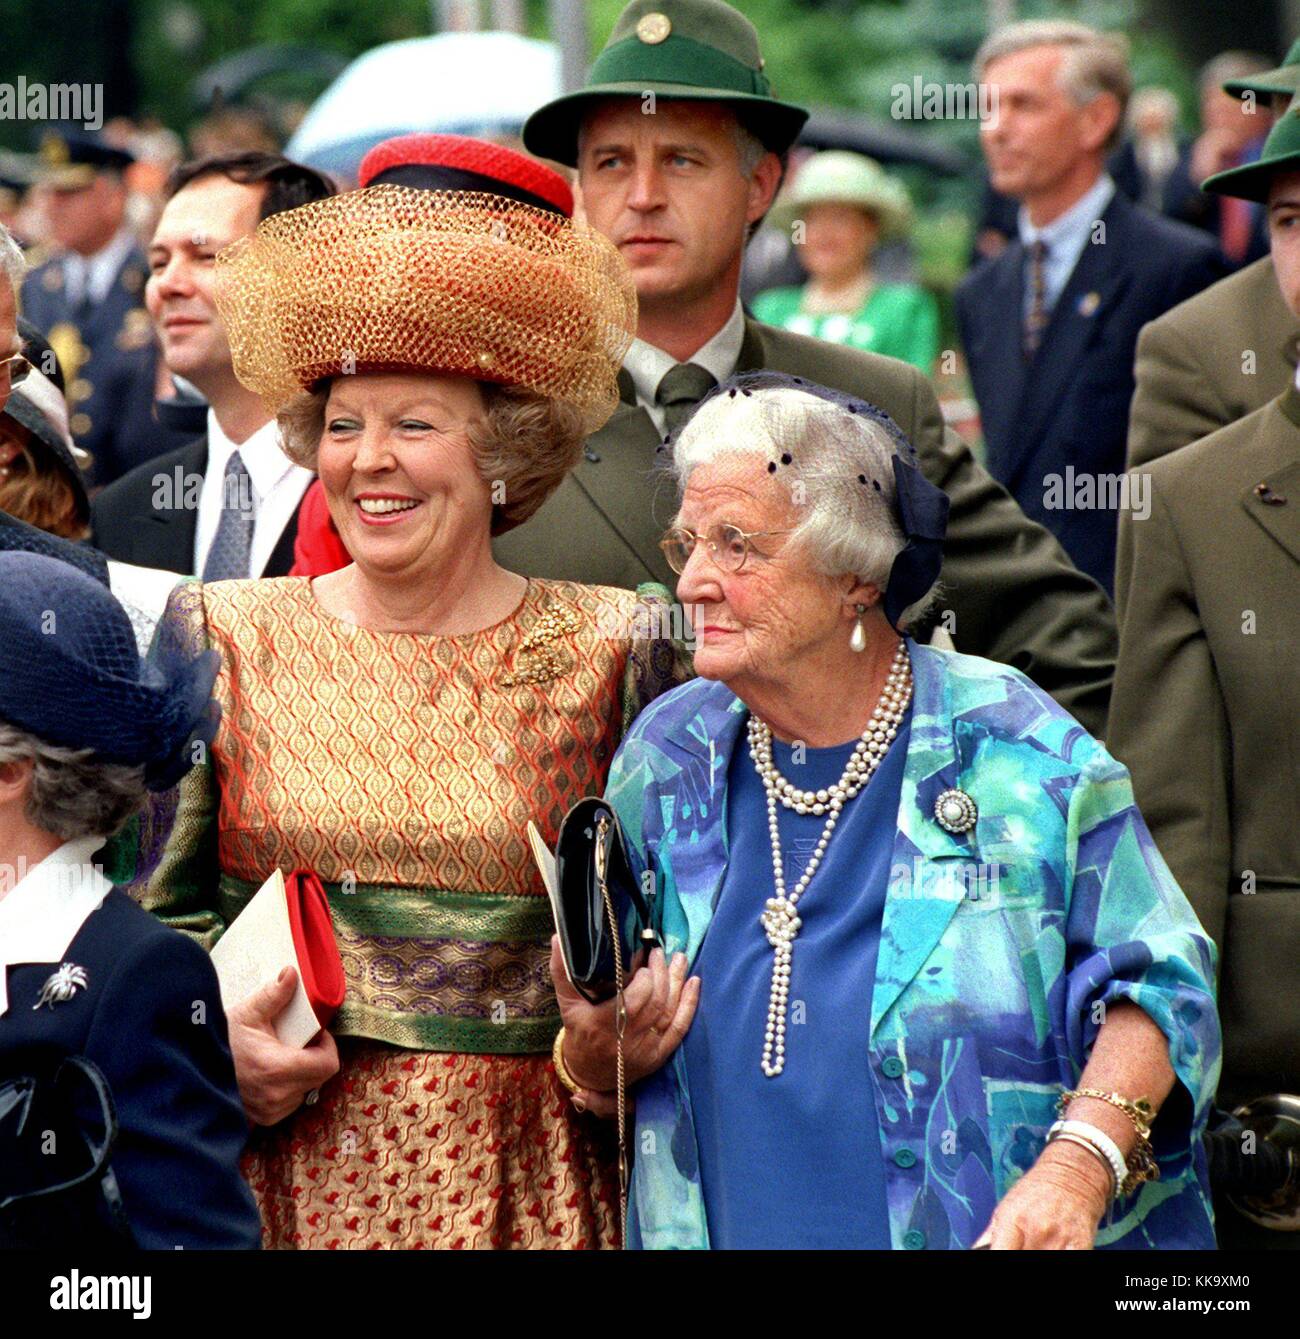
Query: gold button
point(653, 28)
point(486, 359)
point(80, 389)
point(80, 424)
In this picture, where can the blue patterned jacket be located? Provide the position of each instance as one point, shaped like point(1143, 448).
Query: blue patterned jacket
point(999, 948)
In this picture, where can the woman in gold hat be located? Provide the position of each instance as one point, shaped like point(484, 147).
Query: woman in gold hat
point(438, 357)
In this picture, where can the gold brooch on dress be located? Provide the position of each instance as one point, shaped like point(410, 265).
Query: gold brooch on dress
point(541, 659)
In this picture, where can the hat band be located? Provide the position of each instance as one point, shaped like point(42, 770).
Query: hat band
point(432, 177)
point(677, 60)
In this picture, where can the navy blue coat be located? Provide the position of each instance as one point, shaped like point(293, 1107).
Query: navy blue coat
point(110, 381)
point(150, 1018)
point(1070, 405)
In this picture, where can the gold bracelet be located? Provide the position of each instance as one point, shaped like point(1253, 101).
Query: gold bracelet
point(1141, 1162)
point(1139, 1112)
point(561, 1073)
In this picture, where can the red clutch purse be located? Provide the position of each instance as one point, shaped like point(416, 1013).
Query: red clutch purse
point(319, 962)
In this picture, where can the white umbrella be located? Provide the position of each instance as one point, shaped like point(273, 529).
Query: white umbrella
point(457, 83)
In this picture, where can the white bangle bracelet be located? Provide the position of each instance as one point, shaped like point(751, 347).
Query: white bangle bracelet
point(1099, 1141)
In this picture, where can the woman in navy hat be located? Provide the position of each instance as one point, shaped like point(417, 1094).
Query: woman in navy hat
point(90, 984)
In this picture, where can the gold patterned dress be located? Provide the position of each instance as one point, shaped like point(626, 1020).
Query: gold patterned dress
point(403, 769)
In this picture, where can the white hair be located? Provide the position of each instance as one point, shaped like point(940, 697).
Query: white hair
point(1093, 62)
point(837, 467)
point(12, 260)
point(73, 793)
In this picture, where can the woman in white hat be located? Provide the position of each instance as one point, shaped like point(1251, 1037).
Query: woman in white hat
point(842, 205)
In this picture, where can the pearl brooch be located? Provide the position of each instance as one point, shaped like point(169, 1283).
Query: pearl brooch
point(780, 919)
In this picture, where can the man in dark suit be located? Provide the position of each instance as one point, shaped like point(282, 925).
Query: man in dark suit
point(226, 505)
point(1050, 326)
point(88, 300)
point(678, 192)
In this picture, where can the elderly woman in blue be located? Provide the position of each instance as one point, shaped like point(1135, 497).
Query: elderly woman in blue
point(944, 991)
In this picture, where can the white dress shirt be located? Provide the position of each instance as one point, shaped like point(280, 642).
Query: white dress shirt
point(278, 486)
point(647, 364)
point(93, 276)
point(1065, 237)
point(44, 911)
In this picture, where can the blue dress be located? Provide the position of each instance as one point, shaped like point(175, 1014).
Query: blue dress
point(794, 1161)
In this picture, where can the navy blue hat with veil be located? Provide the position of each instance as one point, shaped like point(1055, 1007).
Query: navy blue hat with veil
point(71, 675)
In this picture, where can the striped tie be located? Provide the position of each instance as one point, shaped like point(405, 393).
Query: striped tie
point(1036, 321)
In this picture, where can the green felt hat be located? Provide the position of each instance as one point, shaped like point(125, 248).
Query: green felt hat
point(702, 50)
point(1281, 153)
point(1285, 79)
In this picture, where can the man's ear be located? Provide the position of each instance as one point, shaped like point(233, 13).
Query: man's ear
point(1101, 116)
point(763, 187)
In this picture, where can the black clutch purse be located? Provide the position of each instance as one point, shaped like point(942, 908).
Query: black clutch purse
point(602, 913)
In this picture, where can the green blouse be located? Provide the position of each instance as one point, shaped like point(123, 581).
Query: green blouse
point(900, 320)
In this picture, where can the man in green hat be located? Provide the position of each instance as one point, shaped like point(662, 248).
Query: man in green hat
point(1204, 712)
point(1230, 349)
point(680, 146)
point(1277, 86)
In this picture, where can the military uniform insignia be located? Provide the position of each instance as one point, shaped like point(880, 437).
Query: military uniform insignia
point(1089, 303)
point(136, 331)
point(654, 28)
point(54, 150)
point(62, 985)
point(65, 340)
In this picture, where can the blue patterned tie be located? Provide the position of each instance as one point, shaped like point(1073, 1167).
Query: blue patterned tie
point(233, 544)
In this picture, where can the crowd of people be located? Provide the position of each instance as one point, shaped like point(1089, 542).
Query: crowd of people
point(364, 529)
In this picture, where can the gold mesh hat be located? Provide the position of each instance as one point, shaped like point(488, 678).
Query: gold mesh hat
point(393, 278)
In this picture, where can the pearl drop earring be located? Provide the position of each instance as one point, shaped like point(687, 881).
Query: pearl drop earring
point(858, 641)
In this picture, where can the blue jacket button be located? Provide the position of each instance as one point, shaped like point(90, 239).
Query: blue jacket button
point(905, 1157)
point(914, 1240)
point(892, 1068)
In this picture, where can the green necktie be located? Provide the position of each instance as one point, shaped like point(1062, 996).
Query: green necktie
point(681, 389)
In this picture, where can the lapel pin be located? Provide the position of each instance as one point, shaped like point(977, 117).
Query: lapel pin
point(1267, 496)
point(62, 985)
point(1089, 303)
point(955, 811)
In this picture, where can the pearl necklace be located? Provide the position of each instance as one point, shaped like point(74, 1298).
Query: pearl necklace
point(780, 919)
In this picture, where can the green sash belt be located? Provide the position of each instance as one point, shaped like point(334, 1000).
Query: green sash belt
point(481, 949)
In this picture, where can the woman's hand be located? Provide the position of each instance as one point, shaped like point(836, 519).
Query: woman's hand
point(274, 1078)
point(660, 1005)
point(1055, 1206)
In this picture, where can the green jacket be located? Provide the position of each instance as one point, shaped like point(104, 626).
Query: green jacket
point(1194, 363)
point(1206, 714)
point(1009, 591)
point(900, 320)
